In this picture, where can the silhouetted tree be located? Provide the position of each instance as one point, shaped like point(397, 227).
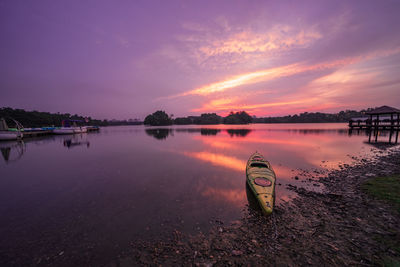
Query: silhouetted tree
point(238, 118)
point(158, 118)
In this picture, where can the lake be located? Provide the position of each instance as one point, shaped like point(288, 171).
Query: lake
point(92, 194)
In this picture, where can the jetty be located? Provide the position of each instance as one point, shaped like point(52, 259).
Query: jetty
point(7, 133)
point(377, 121)
point(382, 118)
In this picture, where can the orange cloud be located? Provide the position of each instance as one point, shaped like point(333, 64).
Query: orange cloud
point(216, 105)
point(261, 76)
point(247, 78)
point(280, 37)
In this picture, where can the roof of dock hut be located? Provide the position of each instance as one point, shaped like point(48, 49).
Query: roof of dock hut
point(384, 110)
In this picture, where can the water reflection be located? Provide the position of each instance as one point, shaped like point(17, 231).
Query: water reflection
point(378, 138)
point(160, 134)
point(205, 131)
point(12, 150)
point(127, 185)
point(238, 132)
point(163, 133)
point(70, 143)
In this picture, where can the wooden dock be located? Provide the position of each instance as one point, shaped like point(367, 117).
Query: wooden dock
point(36, 133)
point(382, 118)
point(375, 124)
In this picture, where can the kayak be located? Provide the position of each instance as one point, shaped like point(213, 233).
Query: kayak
point(261, 179)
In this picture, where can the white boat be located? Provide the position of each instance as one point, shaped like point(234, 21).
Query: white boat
point(5, 134)
point(67, 128)
point(10, 135)
point(81, 129)
point(64, 130)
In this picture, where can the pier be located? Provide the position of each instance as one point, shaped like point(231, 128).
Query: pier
point(20, 132)
point(382, 118)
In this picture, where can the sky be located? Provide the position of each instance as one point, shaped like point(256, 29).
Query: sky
point(127, 59)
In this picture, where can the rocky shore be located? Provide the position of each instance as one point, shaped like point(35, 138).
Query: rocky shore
point(340, 226)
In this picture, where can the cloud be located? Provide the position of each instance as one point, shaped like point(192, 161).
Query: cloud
point(328, 82)
point(225, 45)
point(261, 76)
point(278, 38)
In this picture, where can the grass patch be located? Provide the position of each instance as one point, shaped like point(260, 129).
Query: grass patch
point(385, 188)
point(388, 190)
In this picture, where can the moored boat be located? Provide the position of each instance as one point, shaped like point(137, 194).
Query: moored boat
point(261, 179)
point(9, 135)
point(64, 130)
point(6, 134)
point(81, 129)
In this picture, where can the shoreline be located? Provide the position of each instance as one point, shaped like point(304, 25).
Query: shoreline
point(340, 226)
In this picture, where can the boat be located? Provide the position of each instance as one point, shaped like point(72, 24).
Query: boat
point(80, 129)
point(261, 179)
point(6, 134)
point(9, 135)
point(92, 128)
point(66, 128)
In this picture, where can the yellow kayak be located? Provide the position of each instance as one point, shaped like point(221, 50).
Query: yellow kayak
point(261, 180)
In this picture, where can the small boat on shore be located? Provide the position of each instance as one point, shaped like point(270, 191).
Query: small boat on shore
point(261, 179)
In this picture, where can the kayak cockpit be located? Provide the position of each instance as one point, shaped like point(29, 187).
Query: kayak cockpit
point(259, 165)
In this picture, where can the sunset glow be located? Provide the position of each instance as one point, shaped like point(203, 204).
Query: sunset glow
point(323, 57)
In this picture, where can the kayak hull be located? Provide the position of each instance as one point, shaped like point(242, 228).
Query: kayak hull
point(261, 179)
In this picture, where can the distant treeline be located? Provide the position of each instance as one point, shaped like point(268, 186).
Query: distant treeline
point(43, 119)
point(160, 117)
point(311, 117)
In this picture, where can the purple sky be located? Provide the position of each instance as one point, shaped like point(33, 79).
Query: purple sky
point(126, 59)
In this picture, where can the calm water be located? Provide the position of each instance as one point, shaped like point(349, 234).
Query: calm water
point(94, 193)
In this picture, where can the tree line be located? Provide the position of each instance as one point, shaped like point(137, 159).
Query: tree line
point(47, 119)
point(160, 118)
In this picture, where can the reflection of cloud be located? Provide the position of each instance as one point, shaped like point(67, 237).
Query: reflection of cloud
point(282, 173)
point(235, 196)
point(268, 140)
point(218, 143)
point(220, 160)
